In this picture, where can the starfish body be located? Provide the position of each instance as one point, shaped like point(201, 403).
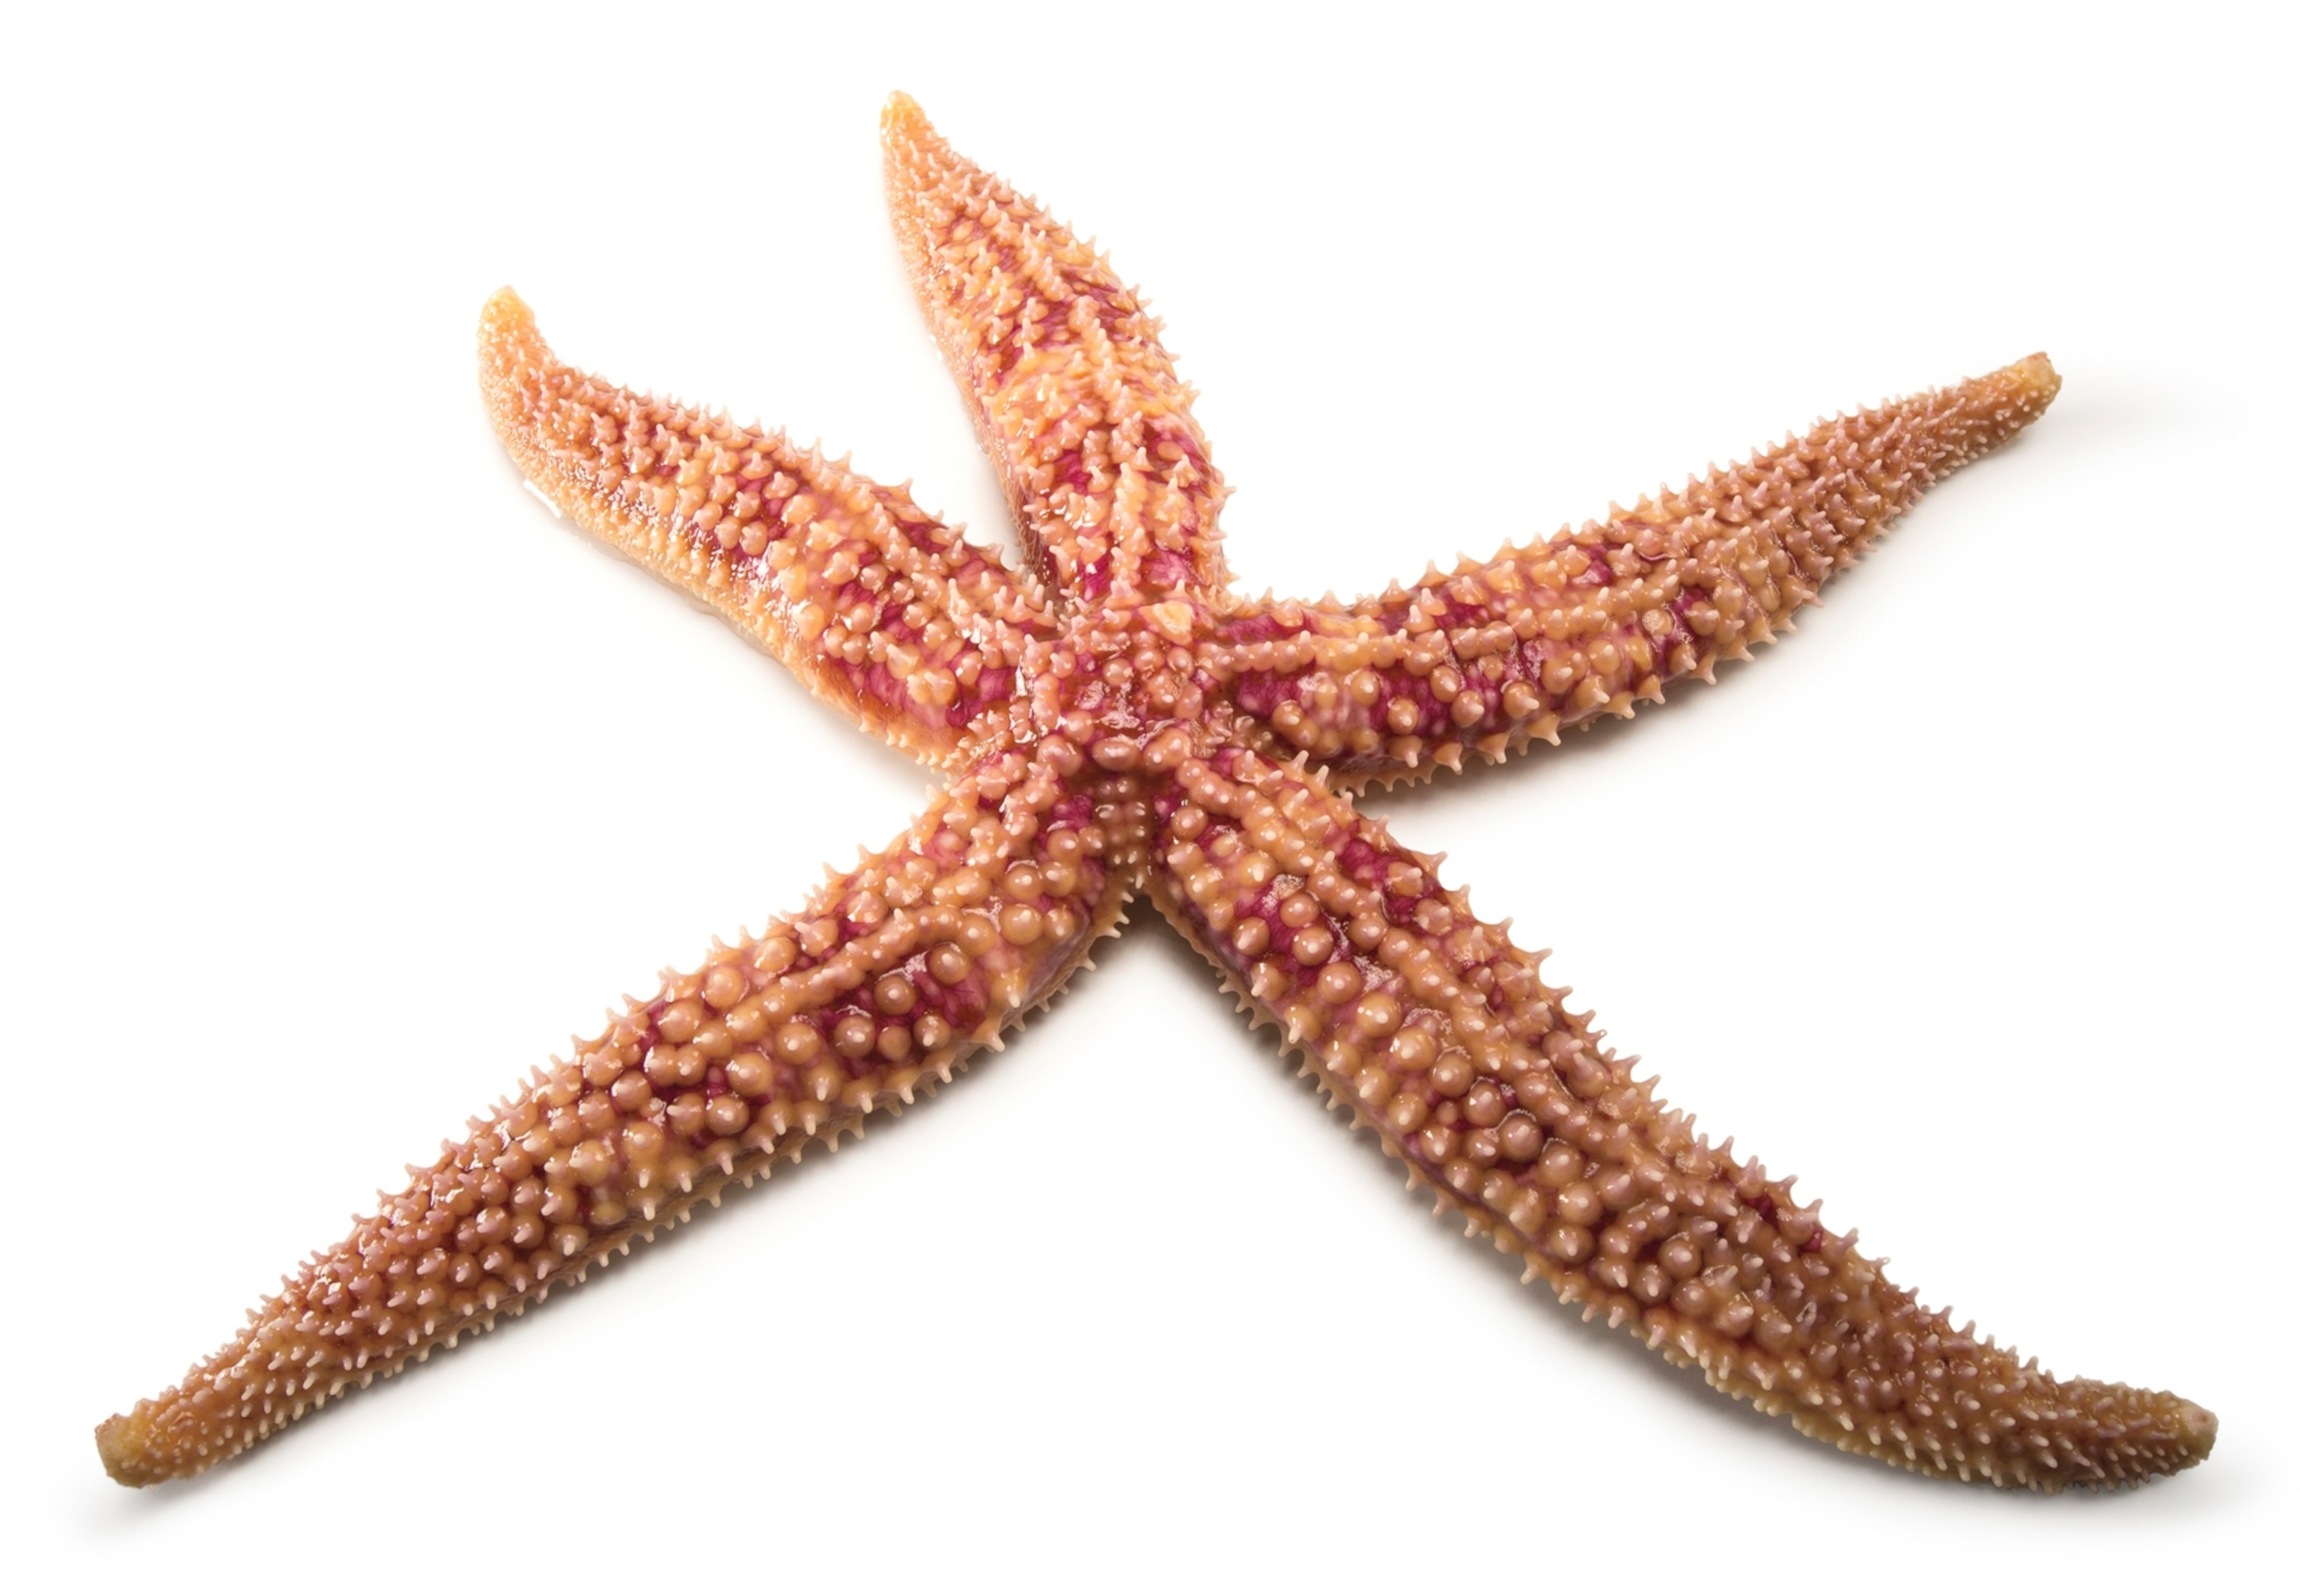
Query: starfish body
point(1112, 721)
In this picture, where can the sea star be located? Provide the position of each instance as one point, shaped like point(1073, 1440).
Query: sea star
point(1117, 721)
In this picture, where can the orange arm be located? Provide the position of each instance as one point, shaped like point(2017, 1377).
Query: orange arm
point(893, 976)
point(1444, 1038)
point(1076, 399)
point(1536, 639)
point(877, 607)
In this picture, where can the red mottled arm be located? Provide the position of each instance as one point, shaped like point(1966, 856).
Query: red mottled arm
point(891, 978)
point(877, 607)
point(1534, 639)
point(1443, 1037)
point(1076, 399)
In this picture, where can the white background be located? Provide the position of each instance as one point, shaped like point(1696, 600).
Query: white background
point(341, 782)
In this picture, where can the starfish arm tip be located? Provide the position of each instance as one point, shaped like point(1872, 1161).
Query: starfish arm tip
point(120, 1442)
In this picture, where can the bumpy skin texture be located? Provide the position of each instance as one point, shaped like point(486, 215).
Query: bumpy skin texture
point(1513, 648)
point(1132, 725)
point(877, 607)
point(1075, 398)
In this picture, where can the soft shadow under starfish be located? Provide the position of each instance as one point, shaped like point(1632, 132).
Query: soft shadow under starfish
point(1118, 721)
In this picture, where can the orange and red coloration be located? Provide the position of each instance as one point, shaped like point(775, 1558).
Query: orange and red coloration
point(1116, 720)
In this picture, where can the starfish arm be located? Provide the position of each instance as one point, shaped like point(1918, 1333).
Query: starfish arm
point(1506, 649)
point(1443, 1039)
point(1077, 401)
point(896, 972)
point(877, 607)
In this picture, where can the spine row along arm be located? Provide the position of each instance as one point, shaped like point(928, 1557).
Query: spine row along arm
point(893, 976)
point(877, 607)
point(1503, 651)
point(1076, 398)
point(1443, 1039)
